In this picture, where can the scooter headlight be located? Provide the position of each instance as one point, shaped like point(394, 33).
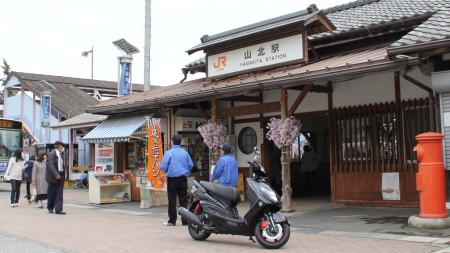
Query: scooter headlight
point(269, 192)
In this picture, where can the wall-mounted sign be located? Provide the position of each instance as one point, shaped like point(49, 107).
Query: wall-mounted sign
point(188, 123)
point(390, 186)
point(260, 55)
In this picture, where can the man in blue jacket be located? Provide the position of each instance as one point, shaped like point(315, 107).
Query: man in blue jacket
point(177, 164)
point(226, 169)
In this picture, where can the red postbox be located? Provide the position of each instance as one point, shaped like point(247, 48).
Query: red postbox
point(430, 180)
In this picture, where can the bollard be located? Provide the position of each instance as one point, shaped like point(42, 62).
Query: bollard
point(430, 181)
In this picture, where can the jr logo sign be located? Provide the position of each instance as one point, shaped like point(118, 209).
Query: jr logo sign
point(222, 60)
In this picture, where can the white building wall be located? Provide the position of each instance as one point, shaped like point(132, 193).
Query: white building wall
point(12, 111)
point(12, 108)
point(441, 84)
point(241, 157)
point(33, 126)
point(312, 102)
point(409, 90)
point(377, 88)
point(445, 101)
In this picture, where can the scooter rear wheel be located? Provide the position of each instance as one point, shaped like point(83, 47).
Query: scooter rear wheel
point(197, 233)
point(270, 238)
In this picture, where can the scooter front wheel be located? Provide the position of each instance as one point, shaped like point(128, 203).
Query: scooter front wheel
point(197, 233)
point(270, 237)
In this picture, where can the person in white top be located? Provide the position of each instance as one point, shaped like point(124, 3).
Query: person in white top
point(14, 172)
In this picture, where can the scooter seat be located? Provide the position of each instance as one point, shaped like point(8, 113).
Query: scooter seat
point(225, 192)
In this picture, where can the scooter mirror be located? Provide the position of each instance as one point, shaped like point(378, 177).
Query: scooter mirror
point(255, 150)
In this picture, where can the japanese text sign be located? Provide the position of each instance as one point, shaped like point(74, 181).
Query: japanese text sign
point(155, 176)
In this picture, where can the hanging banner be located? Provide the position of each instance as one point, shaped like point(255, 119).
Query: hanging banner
point(124, 79)
point(46, 107)
point(156, 179)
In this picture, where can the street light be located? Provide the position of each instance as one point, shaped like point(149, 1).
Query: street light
point(86, 54)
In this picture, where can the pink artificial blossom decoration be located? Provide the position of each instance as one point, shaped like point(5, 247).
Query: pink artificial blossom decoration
point(213, 133)
point(283, 133)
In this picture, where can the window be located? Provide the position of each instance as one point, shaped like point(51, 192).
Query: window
point(247, 140)
point(305, 138)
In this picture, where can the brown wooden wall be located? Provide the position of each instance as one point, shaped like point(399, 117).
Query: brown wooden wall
point(370, 140)
point(354, 188)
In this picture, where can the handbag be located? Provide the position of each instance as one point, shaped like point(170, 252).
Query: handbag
point(34, 194)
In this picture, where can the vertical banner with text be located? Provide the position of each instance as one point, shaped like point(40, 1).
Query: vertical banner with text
point(155, 176)
point(46, 108)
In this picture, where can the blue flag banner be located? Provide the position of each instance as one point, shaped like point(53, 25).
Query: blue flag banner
point(124, 79)
point(46, 107)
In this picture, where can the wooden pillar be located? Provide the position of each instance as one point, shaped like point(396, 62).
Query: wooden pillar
point(399, 166)
point(232, 120)
point(286, 196)
point(214, 110)
point(332, 138)
point(399, 119)
point(262, 127)
point(214, 152)
point(283, 102)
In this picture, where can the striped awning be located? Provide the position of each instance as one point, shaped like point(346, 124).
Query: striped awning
point(115, 129)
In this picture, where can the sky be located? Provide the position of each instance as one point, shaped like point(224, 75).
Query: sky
point(49, 36)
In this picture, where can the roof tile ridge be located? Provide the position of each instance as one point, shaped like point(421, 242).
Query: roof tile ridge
point(349, 5)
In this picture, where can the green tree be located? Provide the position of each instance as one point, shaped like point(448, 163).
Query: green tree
point(6, 70)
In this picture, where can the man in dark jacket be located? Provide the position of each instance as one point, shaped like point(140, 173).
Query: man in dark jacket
point(55, 179)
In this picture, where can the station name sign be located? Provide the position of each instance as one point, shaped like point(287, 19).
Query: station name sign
point(256, 56)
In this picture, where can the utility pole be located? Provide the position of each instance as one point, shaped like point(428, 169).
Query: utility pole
point(148, 21)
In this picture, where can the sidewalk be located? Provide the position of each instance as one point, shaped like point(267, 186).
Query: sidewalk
point(311, 215)
point(317, 226)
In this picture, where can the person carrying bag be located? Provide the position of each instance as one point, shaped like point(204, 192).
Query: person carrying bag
point(14, 172)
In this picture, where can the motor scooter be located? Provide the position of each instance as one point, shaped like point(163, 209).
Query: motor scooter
point(213, 210)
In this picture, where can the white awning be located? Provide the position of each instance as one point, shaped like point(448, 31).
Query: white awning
point(115, 129)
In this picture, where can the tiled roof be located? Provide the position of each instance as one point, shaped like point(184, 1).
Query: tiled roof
point(201, 61)
point(79, 82)
point(82, 119)
point(256, 28)
point(348, 5)
point(435, 28)
point(334, 68)
point(66, 98)
point(153, 96)
point(363, 14)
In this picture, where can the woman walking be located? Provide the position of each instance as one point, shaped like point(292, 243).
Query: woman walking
point(16, 165)
point(38, 178)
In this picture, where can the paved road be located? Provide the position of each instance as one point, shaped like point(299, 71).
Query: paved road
point(126, 228)
point(14, 244)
